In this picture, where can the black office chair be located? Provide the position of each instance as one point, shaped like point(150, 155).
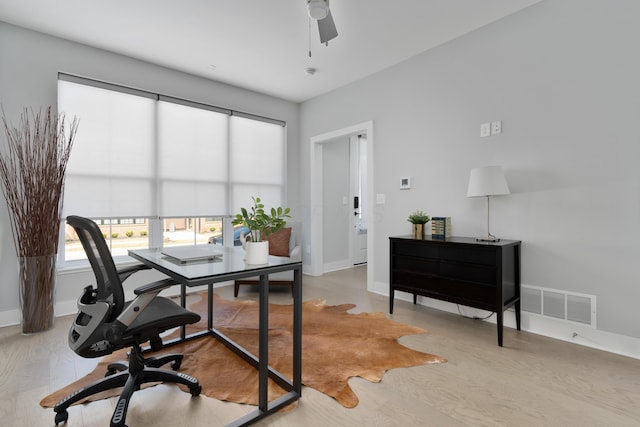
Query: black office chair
point(106, 323)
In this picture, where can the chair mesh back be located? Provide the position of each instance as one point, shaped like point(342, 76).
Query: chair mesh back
point(109, 286)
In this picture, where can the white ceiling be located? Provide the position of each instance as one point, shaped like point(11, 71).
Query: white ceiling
point(261, 45)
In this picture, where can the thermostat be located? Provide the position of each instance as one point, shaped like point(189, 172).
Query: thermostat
point(405, 182)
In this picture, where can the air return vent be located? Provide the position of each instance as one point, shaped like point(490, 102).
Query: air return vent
point(569, 306)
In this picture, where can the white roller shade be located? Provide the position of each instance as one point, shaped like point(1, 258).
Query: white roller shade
point(257, 162)
point(111, 170)
point(192, 160)
point(139, 154)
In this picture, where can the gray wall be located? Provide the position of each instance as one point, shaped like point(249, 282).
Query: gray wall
point(29, 66)
point(563, 76)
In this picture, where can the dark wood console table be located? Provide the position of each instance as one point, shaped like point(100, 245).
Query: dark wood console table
point(459, 270)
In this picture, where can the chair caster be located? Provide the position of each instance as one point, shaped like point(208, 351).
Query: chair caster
point(195, 391)
point(62, 417)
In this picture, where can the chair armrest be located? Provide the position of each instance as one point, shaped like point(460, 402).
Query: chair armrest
point(145, 294)
point(155, 286)
point(125, 272)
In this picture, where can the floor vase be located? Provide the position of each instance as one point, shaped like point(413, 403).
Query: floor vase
point(37, 289)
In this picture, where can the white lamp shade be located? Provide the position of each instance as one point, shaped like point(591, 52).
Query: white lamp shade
point(487, 181)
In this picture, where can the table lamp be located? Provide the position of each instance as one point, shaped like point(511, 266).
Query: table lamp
point(486, 182)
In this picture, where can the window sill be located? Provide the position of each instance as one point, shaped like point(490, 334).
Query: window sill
point(72, 267)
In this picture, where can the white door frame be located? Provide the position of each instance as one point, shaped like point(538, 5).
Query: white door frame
point(316, 213)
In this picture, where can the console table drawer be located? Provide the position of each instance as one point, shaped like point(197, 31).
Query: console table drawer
point(456, 271)
point(469, 272)
point(426, 266)
point(471, 255)
point(446, 289)
point(415, 249)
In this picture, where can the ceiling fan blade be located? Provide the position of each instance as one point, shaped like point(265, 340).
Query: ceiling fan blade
point(327, 28)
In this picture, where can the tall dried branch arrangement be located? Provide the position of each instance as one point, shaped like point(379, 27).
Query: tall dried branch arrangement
point(32, 171)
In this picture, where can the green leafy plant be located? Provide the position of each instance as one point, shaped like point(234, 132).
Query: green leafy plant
point(129, 233)
point(143, 233)
point(114, 235)
point(212, 229)
point(261, 223)
point(418, 217)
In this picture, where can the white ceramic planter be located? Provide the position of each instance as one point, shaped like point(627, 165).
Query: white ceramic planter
point(257, 252)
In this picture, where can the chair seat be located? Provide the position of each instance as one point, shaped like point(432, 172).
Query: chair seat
point(160, 315)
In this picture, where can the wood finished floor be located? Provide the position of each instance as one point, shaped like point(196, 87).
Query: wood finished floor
point(531, 381)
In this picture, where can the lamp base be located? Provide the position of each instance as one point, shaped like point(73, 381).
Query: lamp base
point(490, 239)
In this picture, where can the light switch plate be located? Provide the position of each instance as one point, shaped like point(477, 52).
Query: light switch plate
point(496, 127)
point(485, 130)
point(380, 199)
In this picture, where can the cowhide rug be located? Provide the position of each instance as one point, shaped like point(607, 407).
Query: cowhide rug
point(336, 346)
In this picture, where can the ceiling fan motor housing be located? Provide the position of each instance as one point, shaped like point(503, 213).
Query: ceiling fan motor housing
point(318, 9)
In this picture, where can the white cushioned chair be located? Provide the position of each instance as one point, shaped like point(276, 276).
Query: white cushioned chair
point(294, 253)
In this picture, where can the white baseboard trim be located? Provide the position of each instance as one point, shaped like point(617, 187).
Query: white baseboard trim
point(306, 269)
point(336, 265)
point(540, 325)
point(11, 317)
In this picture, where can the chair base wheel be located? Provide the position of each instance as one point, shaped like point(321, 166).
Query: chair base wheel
point(195, 391)
point(62, 417)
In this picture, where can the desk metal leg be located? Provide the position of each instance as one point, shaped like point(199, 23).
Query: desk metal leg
point(210, 306)
point(183, 303)
point(297, 331)
point(263, 352)
point(293, 386)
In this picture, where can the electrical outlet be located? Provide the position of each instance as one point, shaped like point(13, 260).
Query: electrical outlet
point(496, 127)
point(485, 130)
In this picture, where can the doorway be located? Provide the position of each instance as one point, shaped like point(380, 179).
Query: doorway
point(320, 212)
point(358, 184)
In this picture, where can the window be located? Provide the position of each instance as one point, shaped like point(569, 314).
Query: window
point(154, 171)
point(121, 235)
point(189, 231)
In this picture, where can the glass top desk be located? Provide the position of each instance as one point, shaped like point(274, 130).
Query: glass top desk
point(231, 266)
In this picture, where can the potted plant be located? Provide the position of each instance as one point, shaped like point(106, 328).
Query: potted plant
point(32, 171)
point(418, 219)
point(261, 224)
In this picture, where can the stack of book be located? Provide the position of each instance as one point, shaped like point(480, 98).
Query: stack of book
point(441, 227)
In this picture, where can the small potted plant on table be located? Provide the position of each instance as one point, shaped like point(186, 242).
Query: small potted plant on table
point(260, 223)
point(418, 219)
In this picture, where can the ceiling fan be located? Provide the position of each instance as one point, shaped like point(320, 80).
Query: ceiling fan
point(319, 10)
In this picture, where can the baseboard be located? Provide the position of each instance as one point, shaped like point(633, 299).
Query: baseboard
point(540, 325)
point(11, 317)
point(306, 269)
point(336, 265)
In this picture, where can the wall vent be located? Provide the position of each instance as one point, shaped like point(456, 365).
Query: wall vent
point(568, 306)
